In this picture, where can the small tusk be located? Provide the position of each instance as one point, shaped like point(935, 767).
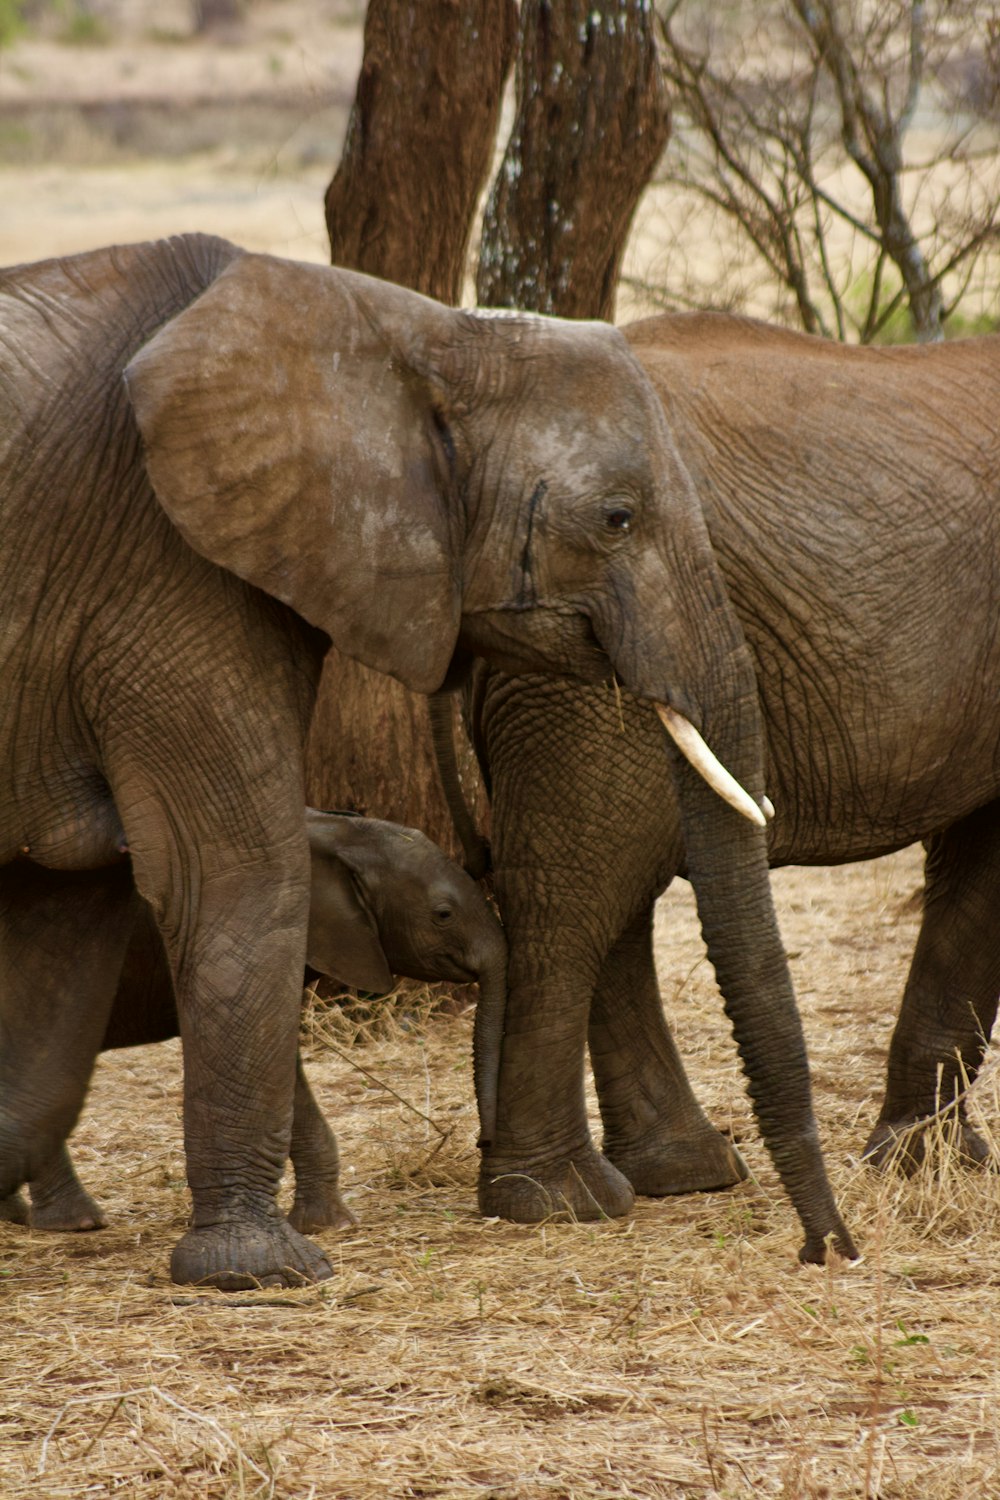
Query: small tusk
point(691, 745)
point(767, 807)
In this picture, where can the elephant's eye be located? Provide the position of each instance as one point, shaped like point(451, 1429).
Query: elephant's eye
point(443, 913)
point(619, 519)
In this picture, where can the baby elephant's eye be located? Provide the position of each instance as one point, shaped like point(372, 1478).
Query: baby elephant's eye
point(619, 519)
point(443, 913)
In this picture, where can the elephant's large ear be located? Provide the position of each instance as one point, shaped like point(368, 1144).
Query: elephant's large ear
point(343, 939)
point(290, 442)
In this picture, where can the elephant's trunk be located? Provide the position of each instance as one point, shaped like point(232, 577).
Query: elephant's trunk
point(727, 864)
point(475, 848)
point(487, 1041)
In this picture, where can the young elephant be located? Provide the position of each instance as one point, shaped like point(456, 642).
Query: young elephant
point(385, 900)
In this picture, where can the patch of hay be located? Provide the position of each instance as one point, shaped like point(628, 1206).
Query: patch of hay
point(680, 1353)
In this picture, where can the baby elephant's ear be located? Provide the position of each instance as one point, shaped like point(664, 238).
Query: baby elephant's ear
point(343, 939)
point(289, 443)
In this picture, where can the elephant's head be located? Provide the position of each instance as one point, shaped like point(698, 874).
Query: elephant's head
point(423, 483)
point(386, 900)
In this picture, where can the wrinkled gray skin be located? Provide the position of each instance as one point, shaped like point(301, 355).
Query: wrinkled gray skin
point(853, 500)
point(385, 900)
point(213, 465)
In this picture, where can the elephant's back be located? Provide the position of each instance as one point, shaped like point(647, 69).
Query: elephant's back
point(68, 445)
point(781, 392)
point(76, 320)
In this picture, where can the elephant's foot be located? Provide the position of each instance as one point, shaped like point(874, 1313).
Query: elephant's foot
point(581, 1186)
point(242, 1254)
point(68, 1212)
point(319, 1206)
point(14, 1209)
point(901, 1144)
point(660, 1163)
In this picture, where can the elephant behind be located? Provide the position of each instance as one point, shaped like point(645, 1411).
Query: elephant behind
point(853, 500)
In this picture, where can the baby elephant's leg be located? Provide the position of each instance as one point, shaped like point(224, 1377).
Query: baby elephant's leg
point(314, 1154)
point(62, 940)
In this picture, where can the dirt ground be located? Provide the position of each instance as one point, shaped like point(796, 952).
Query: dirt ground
point(679, 1353)
point(156, 132)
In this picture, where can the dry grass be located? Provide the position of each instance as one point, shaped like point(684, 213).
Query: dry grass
point(682, 1352)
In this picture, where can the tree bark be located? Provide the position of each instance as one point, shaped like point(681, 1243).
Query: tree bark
point(591, 122)
point(401, 206)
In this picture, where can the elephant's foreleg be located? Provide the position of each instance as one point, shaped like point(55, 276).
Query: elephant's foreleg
point(655, 1132)
point(950, 1002)
point(318, 1204)
point(543, 1162)
point(62, 941)
point(227, 880)
point(238, 981)
point(576, 857)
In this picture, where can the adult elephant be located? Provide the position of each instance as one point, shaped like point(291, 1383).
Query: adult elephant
point(298, 455)
point(853, 500)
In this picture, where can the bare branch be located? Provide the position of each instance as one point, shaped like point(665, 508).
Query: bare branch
point(917, 20)
point(767, 120)
point(871, 318)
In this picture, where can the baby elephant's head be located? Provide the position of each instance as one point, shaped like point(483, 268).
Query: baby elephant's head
point(386, 900)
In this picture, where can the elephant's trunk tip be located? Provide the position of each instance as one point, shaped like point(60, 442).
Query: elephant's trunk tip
point(815, 1251)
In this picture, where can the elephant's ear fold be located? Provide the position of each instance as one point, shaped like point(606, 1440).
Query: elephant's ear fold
point(288, 444)
point(343, 939)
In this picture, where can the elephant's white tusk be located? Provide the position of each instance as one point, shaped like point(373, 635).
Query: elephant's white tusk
point(691, 745)
point(767, 807)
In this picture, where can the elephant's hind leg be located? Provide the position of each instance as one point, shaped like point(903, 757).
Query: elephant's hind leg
point(59, 1200)
point(655, 1132)
point(14, 1209)
point(62, 942)
point(950, 1002)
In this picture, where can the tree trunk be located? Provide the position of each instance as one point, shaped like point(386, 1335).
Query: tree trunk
point(218, 15)
point(591, 123)
point(401, 206)
point(420, 140)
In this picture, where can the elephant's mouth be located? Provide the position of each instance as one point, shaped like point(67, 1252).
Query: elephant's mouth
point(523, 641)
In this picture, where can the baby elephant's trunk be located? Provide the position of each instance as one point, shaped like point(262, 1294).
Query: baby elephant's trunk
point(487, 1042)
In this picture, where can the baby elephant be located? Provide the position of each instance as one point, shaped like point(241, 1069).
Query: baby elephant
point(385, 901)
